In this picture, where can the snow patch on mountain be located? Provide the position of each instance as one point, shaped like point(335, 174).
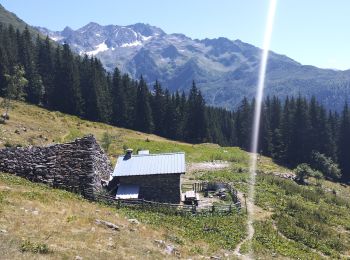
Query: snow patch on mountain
point(57, 38)
point(146, 38)
point(99, 48)
point(131, 44)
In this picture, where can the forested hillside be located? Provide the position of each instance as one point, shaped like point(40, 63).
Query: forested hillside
point(292, 131)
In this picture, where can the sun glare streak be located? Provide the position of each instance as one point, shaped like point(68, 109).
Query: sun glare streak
point(256, 119)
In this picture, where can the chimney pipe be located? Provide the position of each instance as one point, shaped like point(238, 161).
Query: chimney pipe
point(128, 154)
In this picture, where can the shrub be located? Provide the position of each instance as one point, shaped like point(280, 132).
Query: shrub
point(325, 165)
point(304, 171)
point(8, 144)
point(38, 248)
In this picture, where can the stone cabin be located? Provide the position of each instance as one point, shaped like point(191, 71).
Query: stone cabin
point(152, 177)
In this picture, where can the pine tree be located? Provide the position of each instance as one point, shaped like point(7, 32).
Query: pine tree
point(46, 70)
point(143, 114)
point(299, 147)
point(196, 124)
point(283, 153)
point(243, 124)
point(130, 90)
point(275, 126)
point(159, 108)
point(264, 146)
point(344, 144)
point(67, 86)
point(170, 116)
point(119, 102)
point(14, 88)
point(35, 89)
point(3, 71)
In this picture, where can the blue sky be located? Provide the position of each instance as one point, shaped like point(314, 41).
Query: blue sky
point(313, 32)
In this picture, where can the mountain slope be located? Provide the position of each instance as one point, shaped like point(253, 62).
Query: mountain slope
point(225, 70)
point(287, 215)
point(8, 18)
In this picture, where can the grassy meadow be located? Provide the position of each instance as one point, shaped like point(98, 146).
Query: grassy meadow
point(37, 222)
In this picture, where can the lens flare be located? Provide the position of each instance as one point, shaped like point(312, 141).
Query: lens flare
point(256, 121)
point(257, 114)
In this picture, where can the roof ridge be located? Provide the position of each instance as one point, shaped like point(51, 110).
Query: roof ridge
point(153, 154)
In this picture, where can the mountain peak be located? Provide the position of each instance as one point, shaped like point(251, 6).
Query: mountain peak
point(146, 29)
point(67, 29)
point(90, 26)
point(221, 67)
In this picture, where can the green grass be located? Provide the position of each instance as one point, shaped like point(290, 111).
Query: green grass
point(295, 221)
point(219, 232)
point(267, 242)
point(311, 220)
point(307, 215)
point(44, 127)
point(237, 175)
point(194, 153)
point(63, 226)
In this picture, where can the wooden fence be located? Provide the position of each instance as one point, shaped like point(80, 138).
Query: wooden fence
point(180, 209)
point(177, 209)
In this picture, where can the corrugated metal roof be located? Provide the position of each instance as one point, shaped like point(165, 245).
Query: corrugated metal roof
point(127, 191)
point(147, 164)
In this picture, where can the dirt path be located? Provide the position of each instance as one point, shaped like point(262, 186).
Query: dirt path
point(259, 214)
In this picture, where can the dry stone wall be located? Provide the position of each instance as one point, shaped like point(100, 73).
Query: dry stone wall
point(159, 187)
point(78, 166)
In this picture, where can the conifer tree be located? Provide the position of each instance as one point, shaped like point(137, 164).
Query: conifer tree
point(46, 70)
point(344, 143)
point(243, 124)
point(299, 147)
point(196, 125)
point(67, 86)
point(158, 109)
point(170, 116)
point(14, 88)
point(119, 102)
point(143, 114)
point(35, 89)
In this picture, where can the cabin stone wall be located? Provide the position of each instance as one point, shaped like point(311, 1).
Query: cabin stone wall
point(78, 166)
point(158, 187)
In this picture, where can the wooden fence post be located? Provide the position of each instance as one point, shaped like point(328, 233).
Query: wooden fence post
point(245, 202)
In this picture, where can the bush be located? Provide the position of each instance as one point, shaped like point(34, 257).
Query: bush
point(325, 165)
point(304, 171)
point(8, 144)
point(38, 248)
